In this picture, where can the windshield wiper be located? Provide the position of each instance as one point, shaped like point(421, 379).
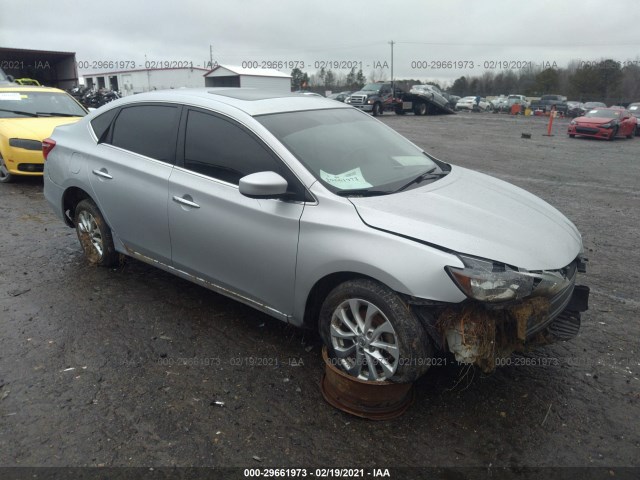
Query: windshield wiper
point(58, 114)
point(428, 175)
point(360, 192)
point(19, 112)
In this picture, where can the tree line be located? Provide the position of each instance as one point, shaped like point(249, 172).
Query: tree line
point(607, 81)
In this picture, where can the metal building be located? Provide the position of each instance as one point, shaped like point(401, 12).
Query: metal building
point(262, 78)
point(129, 82)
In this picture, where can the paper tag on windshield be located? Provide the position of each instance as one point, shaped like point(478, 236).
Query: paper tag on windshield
point(347, 180)
point(412, 160)
point(10, 96)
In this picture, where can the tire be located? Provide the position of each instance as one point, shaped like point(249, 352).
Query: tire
point(420, 108)
point(94, 235)
point(376, 110)
point(353, 343)
point(5, 176)
point(571, 135)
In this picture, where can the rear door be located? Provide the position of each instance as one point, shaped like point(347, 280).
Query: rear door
point(129, 172)
point(244, 246)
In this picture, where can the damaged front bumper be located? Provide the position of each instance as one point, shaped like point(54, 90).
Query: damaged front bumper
point(481, 333)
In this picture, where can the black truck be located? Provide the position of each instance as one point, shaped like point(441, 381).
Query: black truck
point(378, 97)
point(547, 102)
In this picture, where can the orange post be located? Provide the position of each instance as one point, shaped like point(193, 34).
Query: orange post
point(551, 117)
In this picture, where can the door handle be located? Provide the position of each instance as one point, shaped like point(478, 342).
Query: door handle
point(102, 173)
point(186, 201)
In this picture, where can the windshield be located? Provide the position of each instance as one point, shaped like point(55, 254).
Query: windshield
point(347, 150)
point(374, 87)
point(14, 104)
point(602, 113)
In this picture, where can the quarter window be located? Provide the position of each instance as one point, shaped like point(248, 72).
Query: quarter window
point(101, 124)
point(223, 150)
point(150, 130)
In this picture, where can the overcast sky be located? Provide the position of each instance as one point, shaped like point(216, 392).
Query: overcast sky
point(482, 32)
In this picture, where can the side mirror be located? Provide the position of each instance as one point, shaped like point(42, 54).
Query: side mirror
point(263, 185)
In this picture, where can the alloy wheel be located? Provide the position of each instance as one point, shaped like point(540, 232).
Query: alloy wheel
point(364, 340)
point(90, 234)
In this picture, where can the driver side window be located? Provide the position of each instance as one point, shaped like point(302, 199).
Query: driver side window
point(224, 150)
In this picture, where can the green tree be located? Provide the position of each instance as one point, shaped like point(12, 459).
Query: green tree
point(351, 78)
point(329, 79)
point(297, 79)
point(460, 86)
point(547, 81)
point(360, 79)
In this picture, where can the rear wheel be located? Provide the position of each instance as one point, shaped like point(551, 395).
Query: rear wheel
point(376, 109)
point(420, 109)
point(372, 334)
point(5, 176)
point(571, 135)
point(94, 235)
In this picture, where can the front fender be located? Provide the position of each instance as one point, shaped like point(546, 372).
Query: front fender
point(333, 239)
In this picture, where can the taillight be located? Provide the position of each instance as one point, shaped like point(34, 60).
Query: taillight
point(47, 146)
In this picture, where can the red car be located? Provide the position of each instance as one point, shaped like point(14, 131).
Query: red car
point(604, 123)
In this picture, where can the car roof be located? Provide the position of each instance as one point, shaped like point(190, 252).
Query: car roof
point(28, 88)
point(249, 100)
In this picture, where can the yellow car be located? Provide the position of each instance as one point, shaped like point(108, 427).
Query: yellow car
point(28, 115)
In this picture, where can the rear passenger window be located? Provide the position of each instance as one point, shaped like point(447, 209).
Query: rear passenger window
point(150, 130)
point(223, 150)
point(101, 124)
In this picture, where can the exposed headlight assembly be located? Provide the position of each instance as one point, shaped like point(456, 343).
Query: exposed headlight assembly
point(494, 282)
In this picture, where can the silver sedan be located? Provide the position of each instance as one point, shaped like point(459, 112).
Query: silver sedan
point(321, 216)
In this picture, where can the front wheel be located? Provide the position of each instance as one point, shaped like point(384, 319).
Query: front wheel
point(94, 235)
point(5, 176)
point(613, 134)
point(372, 334)
point(377, 110)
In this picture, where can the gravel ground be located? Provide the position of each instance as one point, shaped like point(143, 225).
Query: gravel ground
point(134, 367)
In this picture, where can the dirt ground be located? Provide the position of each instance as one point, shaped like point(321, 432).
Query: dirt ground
point(134, 367)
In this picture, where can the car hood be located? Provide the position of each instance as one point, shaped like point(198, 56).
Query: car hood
point(594, 120)
point(472, 213)
point(32, 128)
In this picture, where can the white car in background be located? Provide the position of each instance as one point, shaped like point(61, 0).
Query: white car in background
point(471, 103)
